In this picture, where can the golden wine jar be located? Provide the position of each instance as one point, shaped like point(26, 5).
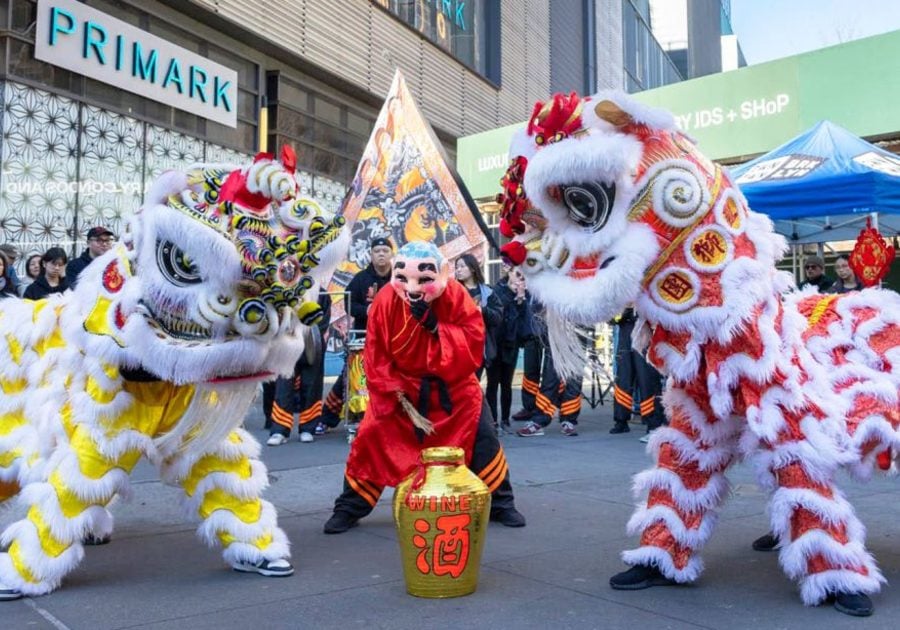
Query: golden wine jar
point(441, 512)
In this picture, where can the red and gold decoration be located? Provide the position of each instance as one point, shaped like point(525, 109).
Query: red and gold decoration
point(871, 257)
point(441, 511)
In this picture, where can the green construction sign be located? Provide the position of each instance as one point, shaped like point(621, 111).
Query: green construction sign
point(749, 111)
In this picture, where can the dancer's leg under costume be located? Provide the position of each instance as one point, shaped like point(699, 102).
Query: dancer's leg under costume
point(531, 377)
point(222, 487)
point(823, 540)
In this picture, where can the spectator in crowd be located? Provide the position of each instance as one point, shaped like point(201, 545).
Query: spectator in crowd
point(470, 275)
point(360, 292)
point(11, 253)
point(532, 361)
point(507, 322)
point(814, 269)
point(32, 272)
point(846, 279)
point(302, 394)
point(7, 289)
point(51, 280)
point(99, 241)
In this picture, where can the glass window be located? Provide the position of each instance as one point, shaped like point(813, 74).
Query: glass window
point(359, 124)
point(24, 14)
point(464, 28)
point(246, 69)
point(328, 111)
point(174, 35)
point(291, 94)
point(247, 104)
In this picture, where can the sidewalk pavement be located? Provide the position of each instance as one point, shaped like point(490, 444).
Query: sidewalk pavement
point(575, 493)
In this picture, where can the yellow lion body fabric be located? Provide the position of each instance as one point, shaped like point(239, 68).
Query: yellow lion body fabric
point(157, 353)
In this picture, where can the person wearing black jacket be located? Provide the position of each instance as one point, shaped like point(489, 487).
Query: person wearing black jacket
point(814, 269)
point(302, 394)
point(360, 292)
point(502, 340)
point(7, 288)
point(53, 262)
point(99, 241)
point(469, 274)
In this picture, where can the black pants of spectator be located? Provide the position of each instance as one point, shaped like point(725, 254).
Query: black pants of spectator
point(268, 398)
point(555, 394)
point(488, 462)
point(531, 377)
point(632, 370)
point(300, 395)
point(500, 376)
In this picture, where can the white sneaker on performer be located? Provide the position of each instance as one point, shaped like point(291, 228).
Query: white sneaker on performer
point(276, 439)
point(268, 568)
point(306, 436)
point(8, 593)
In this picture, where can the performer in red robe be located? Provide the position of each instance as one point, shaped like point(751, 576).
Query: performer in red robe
point(424, 342)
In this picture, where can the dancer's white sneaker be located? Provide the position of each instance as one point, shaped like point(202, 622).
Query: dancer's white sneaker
point(7, 593)
point(268, 568)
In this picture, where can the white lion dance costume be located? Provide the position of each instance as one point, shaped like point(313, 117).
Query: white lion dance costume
point(157, 353)
point(609, 202)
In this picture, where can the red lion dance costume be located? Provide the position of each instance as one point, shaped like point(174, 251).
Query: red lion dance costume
point(608, 201)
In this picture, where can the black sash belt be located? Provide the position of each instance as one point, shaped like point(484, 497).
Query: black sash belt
point(425, 395)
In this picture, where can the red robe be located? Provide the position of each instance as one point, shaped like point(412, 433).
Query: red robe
point(398, 353)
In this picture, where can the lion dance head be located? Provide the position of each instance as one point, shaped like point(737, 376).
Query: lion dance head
point(217, 277)
point(609, 205)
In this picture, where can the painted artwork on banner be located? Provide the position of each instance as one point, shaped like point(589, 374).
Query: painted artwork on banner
point(405, 190)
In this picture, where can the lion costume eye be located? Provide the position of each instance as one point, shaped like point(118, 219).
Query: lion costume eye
point(589, 205)
point(175, 265)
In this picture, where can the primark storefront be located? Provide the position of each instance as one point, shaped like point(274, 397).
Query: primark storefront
point(99, 98)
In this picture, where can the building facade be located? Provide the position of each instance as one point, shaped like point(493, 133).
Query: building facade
point(99, 97)
point(80, 145)
point(696, 35)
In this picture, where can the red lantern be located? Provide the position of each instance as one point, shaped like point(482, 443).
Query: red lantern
point(871, 257)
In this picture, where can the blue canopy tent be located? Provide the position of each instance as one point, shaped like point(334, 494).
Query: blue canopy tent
point(822, 185)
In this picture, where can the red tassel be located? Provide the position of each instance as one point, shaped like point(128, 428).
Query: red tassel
point(513, 253)
point(288, 158)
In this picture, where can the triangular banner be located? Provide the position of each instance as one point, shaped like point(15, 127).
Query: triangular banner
point(405, 189)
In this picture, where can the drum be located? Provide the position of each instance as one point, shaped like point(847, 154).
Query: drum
point(357, 393)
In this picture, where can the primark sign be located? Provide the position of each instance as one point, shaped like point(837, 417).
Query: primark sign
point(89, 42)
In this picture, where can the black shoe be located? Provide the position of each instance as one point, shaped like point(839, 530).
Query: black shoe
point(639, 577)
point(854, 604)
point(510, 517)
point(93, 541)
point(340, 522)
point(765, 543)
point(620, 428)
point(522, 415)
